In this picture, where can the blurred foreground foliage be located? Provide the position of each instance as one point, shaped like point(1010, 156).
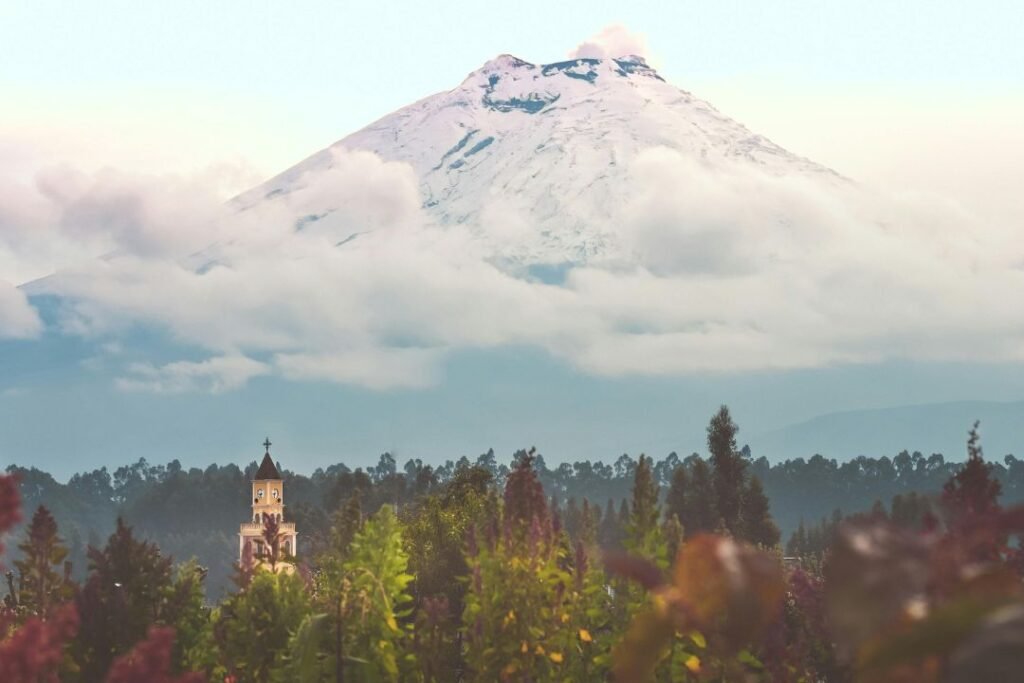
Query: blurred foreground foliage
point(486, 577)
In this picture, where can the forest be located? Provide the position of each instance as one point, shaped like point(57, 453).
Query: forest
point(714, 567)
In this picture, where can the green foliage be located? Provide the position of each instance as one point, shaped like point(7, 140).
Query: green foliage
point(185, 609)
point(531, 612)
point(469, 584)
point(758, 527)
point(729, 469)
point(308, 659)
point(374, 598)
point(40, 585)
point(700, 507)
point(643, 536)
point(252, 629)
point(127, 590)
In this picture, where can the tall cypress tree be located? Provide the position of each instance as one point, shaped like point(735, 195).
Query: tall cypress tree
point(972, 491)
point(676, 500)
point(122, 597)
point(758, 526)
point(644, 536)
point(700, 512)
point(608, 531)
point(40, 585)
point(729, 469)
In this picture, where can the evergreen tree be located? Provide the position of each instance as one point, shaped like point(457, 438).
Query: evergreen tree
point(608, 532)
point(524, 496)
point(678, 493)
point(124, 594)
point(672, 532)
point(623, 522)
point(41, 586)
point(573, 518)
point(973, 491)
point(590, 520)
point(758, 525)
point(348, 520)
point(796, 546)
point(729, 469)
point(700, 512)
point(643, 532)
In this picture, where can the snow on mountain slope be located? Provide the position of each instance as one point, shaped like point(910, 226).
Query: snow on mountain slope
point(546, 149)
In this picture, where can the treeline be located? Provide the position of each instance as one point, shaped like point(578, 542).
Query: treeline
point(195, 512)
point(476, 579)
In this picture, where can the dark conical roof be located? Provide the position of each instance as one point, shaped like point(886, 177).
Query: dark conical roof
point(267, 470)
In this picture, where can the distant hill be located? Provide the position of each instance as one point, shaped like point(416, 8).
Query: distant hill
point(929, 428)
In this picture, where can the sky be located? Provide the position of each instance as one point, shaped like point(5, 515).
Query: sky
point(881, 91)
point(125, 125)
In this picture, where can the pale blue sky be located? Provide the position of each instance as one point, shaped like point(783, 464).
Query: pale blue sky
point(274, 81)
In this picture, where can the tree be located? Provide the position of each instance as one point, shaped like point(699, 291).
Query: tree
point(729, 468)
point(185, 609)
point(251, 630)
point(610, 531)
point(700, 511)
point(374, 597)
point(644, 535)
point(123, 596)
point(758, 526)
point(972, 492)
point(524, 496)
point(150, 661)
point(678, 494)
point(347, 523)
point(33, 652)
point(40, 585)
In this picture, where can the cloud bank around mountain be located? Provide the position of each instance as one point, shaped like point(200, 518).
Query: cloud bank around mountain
point(721, 269)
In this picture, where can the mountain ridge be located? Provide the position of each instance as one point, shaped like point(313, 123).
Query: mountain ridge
point(546, 147)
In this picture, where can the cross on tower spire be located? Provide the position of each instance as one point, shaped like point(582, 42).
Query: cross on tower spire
point(267, 445)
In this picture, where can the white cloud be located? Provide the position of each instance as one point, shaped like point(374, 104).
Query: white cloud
point(215, 375)
point(612, 41)
point(379, 369)
point(723, 268)
point(18, 319)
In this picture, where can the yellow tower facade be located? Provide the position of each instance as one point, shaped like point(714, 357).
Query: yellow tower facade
point(268, 507)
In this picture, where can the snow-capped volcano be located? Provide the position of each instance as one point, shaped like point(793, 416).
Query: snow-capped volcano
point(546, 148)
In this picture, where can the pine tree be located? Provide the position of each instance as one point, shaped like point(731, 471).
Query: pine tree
point(700, 512)
point(758, 525)
point(524, 496)
point(796, 546)
point(672, 531)
point(623, 522)
point(348, 520)
point(729, 468)
point(590, 519)
point(573, 520)
point(608, 532)
point(41, 586)
point(122, 597)
point(973, 491)
point(678, 493)
point(643, 533)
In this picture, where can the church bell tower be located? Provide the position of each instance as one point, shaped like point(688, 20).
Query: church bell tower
point(268, 506)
